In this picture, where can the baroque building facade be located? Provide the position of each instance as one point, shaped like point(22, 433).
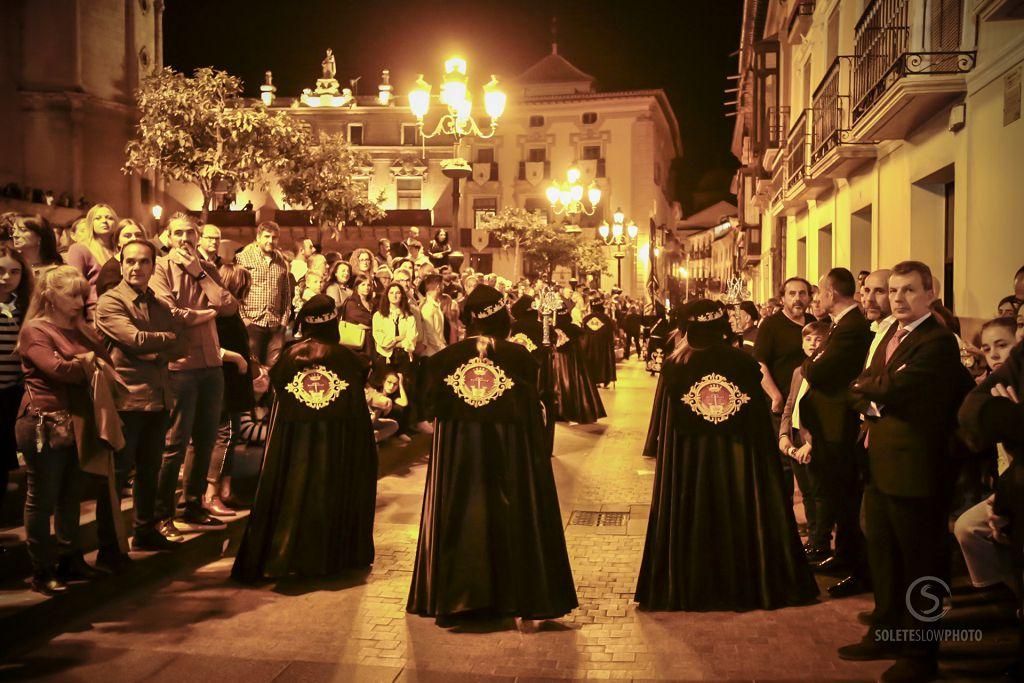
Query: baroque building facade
point(556, 117)
point(873, 131)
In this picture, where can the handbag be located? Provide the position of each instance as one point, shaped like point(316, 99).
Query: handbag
point(50, 428)
point(351, 335)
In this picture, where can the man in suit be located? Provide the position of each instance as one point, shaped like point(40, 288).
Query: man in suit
point(909, 393)
point(833, 425)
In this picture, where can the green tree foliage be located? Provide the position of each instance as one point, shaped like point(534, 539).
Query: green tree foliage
point(590, 256)
point(323, 177)
point(200, 130)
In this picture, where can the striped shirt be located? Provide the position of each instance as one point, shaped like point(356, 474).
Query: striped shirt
point(10, 362)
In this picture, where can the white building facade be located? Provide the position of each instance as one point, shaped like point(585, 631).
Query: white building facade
point(874, 131)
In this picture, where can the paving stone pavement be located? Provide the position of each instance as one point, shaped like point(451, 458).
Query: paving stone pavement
point(200, 626)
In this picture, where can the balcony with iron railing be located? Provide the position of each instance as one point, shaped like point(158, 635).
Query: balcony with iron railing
point(909, 62)
point(832, 153)
point(796, 152)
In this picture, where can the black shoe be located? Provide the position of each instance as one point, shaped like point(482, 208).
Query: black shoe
point(153, 540)
point(816, 555)
point(200, 516)
point(866, 618)
point(48, 584)
point(831, 564)
point(75, 568)
point(851, 585)
point(912, 670)
point(169, 531)
point(113, 560)
point(867, 651)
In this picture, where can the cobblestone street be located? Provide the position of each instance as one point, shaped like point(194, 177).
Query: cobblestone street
point(199, 626)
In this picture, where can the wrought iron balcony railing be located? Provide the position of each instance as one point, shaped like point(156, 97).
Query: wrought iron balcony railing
point(778, 126)
point(796, 151)
point(887, 49)
point(831, 106)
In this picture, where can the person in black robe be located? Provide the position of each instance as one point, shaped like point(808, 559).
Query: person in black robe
point(491, 541)
point(598, 343)
point(314, 507)
point(528, 332)
point(575, 391)
point(721, 535)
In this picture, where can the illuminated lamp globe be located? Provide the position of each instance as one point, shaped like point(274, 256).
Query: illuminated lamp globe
point(494, 99)
point(419, 98)
point(632, 230)
point(594, 194)
point(603, 230)
point(573, 174)
point(552, 194)
point(618, 216)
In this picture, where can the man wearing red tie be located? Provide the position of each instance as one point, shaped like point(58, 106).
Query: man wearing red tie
point(909, 395)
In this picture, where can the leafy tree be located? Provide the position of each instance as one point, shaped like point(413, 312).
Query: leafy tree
point(200, 130)
point(589, 256)
point(518, 229)
point(322, 177)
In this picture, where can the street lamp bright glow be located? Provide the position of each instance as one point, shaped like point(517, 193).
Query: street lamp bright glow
point(157, 211)
point(419, 98)
point(494, 99)
point(632, 230)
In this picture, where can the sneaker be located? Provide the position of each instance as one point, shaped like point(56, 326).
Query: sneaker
point(168, 530)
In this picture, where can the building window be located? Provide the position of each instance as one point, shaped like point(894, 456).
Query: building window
point(409, 192)
point(485, 155)
point(589, 117)
point(355, 133)
point(535, 204)
point(590, 152)
point(537, 154)
point(536, 121)
point(410, 134)
point(483, 207)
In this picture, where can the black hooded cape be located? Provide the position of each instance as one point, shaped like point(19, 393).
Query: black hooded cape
point(721, 534)
point(575, 391)
point(598, 344)
point(314, 507)
point(491, 538)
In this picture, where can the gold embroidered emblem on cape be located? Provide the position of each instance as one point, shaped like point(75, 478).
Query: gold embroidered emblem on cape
point(523, 340)
point(715, 398)
point(316, 386)
point(595, 324)
point(561, 338)
point(479, 381)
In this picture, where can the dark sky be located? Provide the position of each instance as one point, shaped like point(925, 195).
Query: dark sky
point(681, 46)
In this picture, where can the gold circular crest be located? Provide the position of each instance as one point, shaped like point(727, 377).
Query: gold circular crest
point(523, 340)
point(479, 381)
point(561, 338)
point(715, 398)
point(595, 324)
point(316, 386)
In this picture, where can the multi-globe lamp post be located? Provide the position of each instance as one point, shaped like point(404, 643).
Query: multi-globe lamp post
point(458, 120)
point(620, 236)
point(566, 198)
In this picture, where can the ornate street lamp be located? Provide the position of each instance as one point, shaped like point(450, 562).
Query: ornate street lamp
point(567, 198)
point(619, 236)
point(458, 121)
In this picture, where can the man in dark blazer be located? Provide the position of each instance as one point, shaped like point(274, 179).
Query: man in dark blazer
point(833, 424)
point(909, 395)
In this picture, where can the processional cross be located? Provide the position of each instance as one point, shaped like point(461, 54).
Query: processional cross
point(548, 303)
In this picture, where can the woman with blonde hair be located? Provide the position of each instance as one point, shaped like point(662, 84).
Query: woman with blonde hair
point(363, 263)
point(58, 351)
point(93, 247)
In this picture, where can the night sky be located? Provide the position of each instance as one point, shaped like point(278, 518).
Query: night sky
point(679, 45)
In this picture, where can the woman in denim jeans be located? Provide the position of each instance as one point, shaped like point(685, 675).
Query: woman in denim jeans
point(57, 350)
